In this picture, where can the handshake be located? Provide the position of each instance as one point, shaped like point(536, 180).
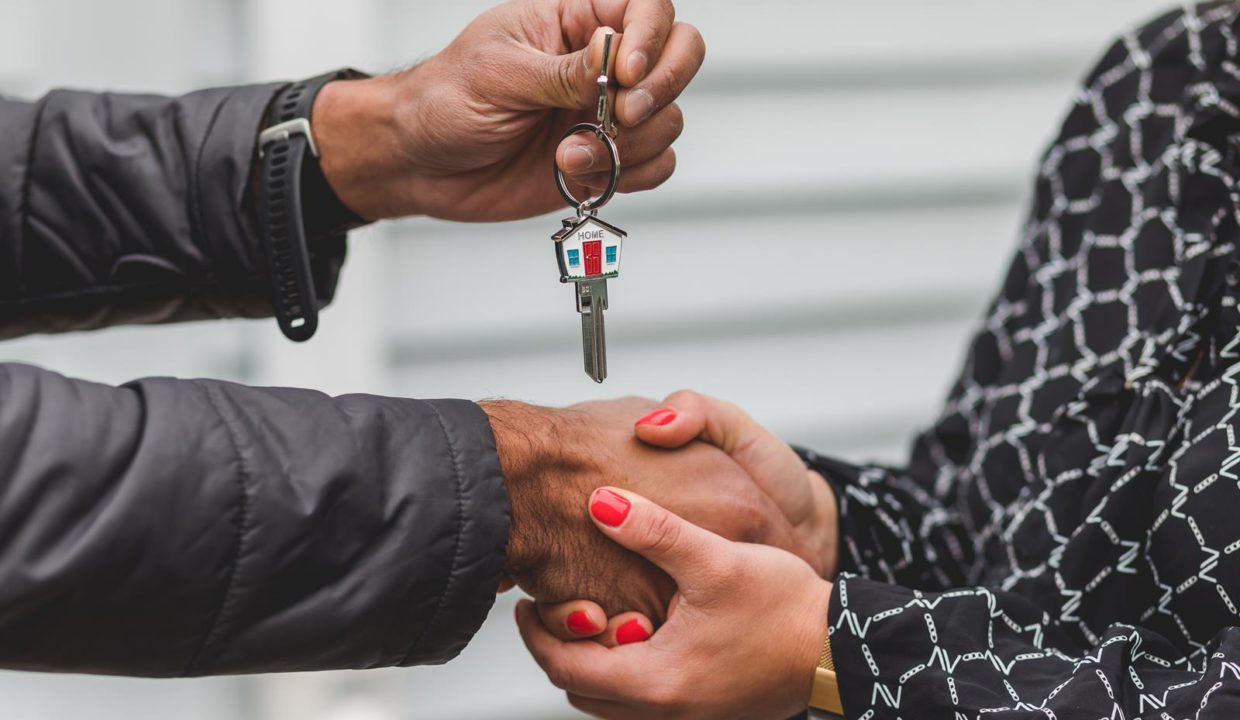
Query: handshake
point(629, 516)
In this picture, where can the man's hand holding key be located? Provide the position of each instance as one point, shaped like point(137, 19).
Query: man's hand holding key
point(469, 134)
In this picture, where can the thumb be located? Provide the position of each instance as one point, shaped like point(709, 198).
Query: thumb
point(774, 467)
point(687, 415)
point(677, 546)
point(570, 81)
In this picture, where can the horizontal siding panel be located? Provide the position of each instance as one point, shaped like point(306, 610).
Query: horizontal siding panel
point(830, 33)
point(147, 45)
point(809, 386)
point(117, 355)
point(516, 690)
point(757, 139)
point(17, 43)
point(857, 32)
point(459, 288)
point(48, 696)
point(879, 439)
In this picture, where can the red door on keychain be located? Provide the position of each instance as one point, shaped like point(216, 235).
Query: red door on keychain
point(593, 251)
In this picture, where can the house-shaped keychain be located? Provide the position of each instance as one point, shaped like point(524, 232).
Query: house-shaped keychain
point(588, 249)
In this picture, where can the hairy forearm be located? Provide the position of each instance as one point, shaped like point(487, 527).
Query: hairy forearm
point(536, 457)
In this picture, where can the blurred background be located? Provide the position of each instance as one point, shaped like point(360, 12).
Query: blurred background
point(852, 180)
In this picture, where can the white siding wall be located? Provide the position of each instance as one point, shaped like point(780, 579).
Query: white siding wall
point(851, 183)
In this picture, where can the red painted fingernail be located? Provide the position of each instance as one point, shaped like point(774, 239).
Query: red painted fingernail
point(631, 632)
point(659, 418)
point(609, 508)
point(579, 623)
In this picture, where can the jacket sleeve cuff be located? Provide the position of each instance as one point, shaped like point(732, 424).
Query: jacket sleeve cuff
point(371, 531)
point(482, 523)
point(224, 180)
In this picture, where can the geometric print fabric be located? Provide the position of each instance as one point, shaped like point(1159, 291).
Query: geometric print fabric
point(1065, 540)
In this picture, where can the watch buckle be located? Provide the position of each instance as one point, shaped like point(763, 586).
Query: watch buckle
point(281, 132)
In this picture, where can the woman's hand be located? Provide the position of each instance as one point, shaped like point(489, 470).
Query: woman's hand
point(553, 459)
point(801, 494)
point(471, 133)
point(742, 640)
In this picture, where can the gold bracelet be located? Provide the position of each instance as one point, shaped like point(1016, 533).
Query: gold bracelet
point(826, 692)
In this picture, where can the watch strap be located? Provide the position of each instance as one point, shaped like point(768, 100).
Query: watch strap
point(825, 695)
point(294, 197)
point(826, 692)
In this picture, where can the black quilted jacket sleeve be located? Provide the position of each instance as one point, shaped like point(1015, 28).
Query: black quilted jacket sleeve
point(134, 209)
point(173, 527)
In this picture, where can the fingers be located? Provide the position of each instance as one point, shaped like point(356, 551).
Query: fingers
point(683, 550)
point(647, 176)
point(654, 61)
point(626, 629)
point(584, 668)
point(584, 154)
point(574, 620)
point(681, 59)
point(679, 420)
point(567, 81)
point(582, 620)
point(651, 174)
point(646, 25)
point(688, 415)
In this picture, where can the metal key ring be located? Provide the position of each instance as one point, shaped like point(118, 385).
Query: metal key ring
point(584, 206)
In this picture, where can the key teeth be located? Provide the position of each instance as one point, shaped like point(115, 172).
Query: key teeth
point(591, 303)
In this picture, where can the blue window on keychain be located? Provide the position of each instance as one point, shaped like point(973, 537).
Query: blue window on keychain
point(574, 258)
point(611, 254)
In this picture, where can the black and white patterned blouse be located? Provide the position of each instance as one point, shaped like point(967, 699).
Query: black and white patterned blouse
point(1065, 541)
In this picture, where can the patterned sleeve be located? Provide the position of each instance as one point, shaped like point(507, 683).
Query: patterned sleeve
point(973, 652)
point(895, 527)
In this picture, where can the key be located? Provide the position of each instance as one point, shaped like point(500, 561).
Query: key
point(591, 303)
point(588, 250)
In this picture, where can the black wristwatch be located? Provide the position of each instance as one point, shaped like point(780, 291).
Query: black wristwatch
point(296, 202)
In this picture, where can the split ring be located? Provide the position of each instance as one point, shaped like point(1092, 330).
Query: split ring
point(614, 156)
